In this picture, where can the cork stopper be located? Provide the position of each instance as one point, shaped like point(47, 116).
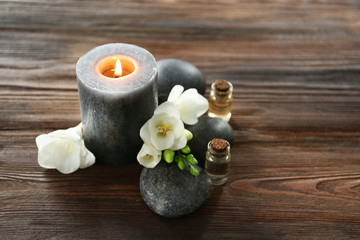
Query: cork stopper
point(218, 144)
point(222, 85)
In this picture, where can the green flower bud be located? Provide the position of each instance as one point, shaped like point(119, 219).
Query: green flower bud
point(168, 155)
point(191, 159)
point(178, 158)
point(181, 164)
point(186, 150)
point(194, 171)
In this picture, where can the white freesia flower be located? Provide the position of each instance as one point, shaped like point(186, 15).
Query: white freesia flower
point(190, 103)
point(64, 150)
point(149, 156)
point(164, 130)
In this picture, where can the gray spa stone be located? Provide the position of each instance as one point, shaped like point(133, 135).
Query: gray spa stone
point(204, 131)
point(172, 193)
point(173, 72)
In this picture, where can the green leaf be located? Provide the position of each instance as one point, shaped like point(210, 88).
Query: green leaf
point(186, 150)
point(194, 171)
point(168, 155)
point(191, 159)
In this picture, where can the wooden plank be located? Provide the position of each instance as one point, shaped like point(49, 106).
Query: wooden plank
point(296, 116)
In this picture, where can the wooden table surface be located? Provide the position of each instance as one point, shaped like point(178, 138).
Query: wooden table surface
point(295, 67)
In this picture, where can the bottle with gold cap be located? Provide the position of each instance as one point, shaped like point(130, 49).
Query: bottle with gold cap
point(217, 160)
point(220, 100)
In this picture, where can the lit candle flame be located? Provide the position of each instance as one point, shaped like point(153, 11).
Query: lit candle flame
point(118, 69)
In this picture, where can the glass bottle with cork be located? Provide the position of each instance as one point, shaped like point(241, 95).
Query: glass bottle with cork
point(220, 99)
point(217, 160)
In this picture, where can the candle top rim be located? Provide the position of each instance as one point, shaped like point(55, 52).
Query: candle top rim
point(87, 73)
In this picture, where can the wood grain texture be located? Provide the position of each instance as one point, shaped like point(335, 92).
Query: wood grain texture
point(295, 67)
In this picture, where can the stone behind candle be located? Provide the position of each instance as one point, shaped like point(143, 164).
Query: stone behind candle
point(113, 111)
point(172, 193)
point(204, 131)
point(173, 72)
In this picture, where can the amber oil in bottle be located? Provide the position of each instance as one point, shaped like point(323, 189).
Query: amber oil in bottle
point(220, 99)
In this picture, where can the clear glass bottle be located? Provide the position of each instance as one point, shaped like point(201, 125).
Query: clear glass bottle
point(220, 99)
point(217, 161)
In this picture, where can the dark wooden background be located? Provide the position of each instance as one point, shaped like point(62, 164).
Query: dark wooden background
point(295, 67)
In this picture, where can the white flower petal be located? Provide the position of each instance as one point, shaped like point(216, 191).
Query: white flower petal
point(64, 150)
point(161, 142)
point(68, 160)
point(169, 108)
point(45, 159)
point(42, 140)
point(159, 119)
point(177, 127)
point(61, 154)
point(165, 130)
point(79, 129)
point(156, 122)
point(179, 143)
point(87, 158)
point(149, 156)
point(191, 106)
point(144, 132)
point(175, 93)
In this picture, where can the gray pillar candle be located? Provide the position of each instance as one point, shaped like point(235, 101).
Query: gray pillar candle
point(113, 109)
